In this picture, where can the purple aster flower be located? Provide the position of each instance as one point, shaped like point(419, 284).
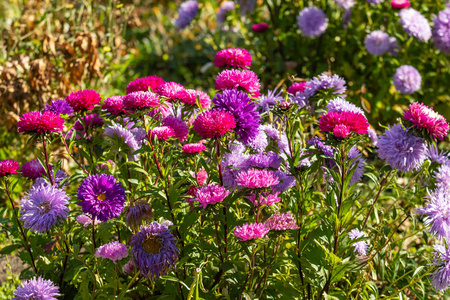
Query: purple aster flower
point(272, 98)
point(178, 125)
point(232, 164)
point(372, 135)
point(312, 21)
point(318, 143)
point(244, 111)
point(128, 267)
point(225, 8)
point(286, 181)
point(210, 195)
point(59, 107)
point(375, 1)
point(437, 213)
point(113, 251)
point(339, 104)
point(260, 160)
point(402, 150)
point(362, 246)
point(101, 196)
point(442, 177)
point(441, 277)
point(43, 208)
point(394, 47)
point(301, 99)
point(116, 131)
point(57, 179)
point(360, 162)
point(274, 136)
point(407, 79)
point(415, 24)
point(377, 42)
point(154, 250)
point(247, 6)
point(346, 18)
point(32, 169)
point(187, 11)
point(441, 31)
point(321, 82)
point(37, 288)
point(345, 4)
point(281, 221)
point(139, 212)
point(260, 142)
point(440, 157)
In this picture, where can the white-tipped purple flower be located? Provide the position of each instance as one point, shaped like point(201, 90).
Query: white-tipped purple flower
point(377, 42)
point(312, 21)
point(415, 24)
point(407, 79)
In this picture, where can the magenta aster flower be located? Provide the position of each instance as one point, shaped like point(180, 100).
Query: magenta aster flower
point(143, 84)
point(161, 111)
point(214, 123)
point(297, 87)
point(260, 27)
point(233, 79)
point(441, 277)
point(59, 107)
point(179, 127)
point(8, 167)
point(101, 197)
point(193, 148)
point(115, 105)
point(437, 213)
point(210, 195)
point(38, 122)
point(141, 100)
point(233, 58)
point(32, 169)
point(362, 246)
point(83, 100)
point(162, 132)
point(171, 90)
point(255, 179)
point(400, 4)
point(190, 98)
point(113, 251)
point(86, 220)
point(424, 117)
point(265, 199)
point(281, 221)
point(37, 289)
point(342, 123)
point(250, 231)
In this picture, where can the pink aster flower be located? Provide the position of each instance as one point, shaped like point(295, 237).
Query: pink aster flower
point(141, 100)
point(193, 148)
point(128, 267)
point(214, 123)
point(297, 87)
point(83, 100)
point(281, 221)
point(179, 127)
point(171, 90)
point(86, 220)
point(424, 117)
point(163, 132)
point(190, 98)
point(233, 79)
point(32, 169)
point(250, 231)
point(399, 4)
point(202, 177)
point(142, 84)
point(113, 251)
point(256, 179)
point(210, 195)
point(38, 122)
point(260, 27)
point(161, 111)
point(265, 199)
point(115, 105)
point(8, 167)
point(342, 123)
point(233, 58)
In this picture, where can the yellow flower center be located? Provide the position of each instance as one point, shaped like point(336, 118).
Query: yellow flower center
point(102, 196)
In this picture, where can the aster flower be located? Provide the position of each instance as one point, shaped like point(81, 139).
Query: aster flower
point(141, 100)
point(83, 100)
point(400, 4)
point(162, 132)
point(407, 79)
point(250, 231)
point(243, 110)
point(260, 27)
point(233, 163)
point(345, 4)
point(233, 58)
point(394, 47)
point(276, 137)
point(339, 104)
point(86, 220)
point(436, 212)
point(59, 107)
point(225, 8)
point(101, 196)
point(260, 142)
point(57, 179)
point(190, 98)
point(372, 135)
point(180, 128)
point(143, 84)
point(342, 123)
point(8, 167)
point(84, 125)
point(115, 105)
point(442, 177)
point(193, 148)
point(424, 117)
point(186, 13)
point(362, 246)
point(161, 111)
point(321, 82)
point(441, 31)
point(260, 160)
point(233, 79)
point(37, 288)
point(32, 169)
point(255, 179)
point(440, 157)
point(214, 123)
point(128, 267)
point(40, 122)
point(117, 131)
point(281, 221)
point(320, 145)
point(286, 181)
point(402, 150)
point(246, 6)
point(43, 208)
point(415, 24)
point(346, 18)
point(272, 99)
point(375, 1)
point(113, 251)
point(377, 42)
point(312, 21)
point(441, 277)
point(154, 250)
point(171, 90)
point(139, 212)
point(201, 177)
point(297, 87)
point(265, 199)
point(210, 195)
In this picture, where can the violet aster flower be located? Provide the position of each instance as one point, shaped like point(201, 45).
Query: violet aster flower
point(345, 4)
point(225, 8)
point(250, 231)
point(116, 131)
point(59, 107)
point(359, 162)
point(339, 104)
point(374, 1)
point(8, 167)
point(210, 195)
point(436, 212)
point(402, 150)
point(260, 27)
point(265, 199)
point(260, 142)
point(312, 21)
point(43, 208)
point(114, 251)
point(346, 18)
point(342, 123)
point(260, 160)
point(362, 246)
point(214, 123)
point(179, 127)
point(407, 79)
point(141, 100)
point(37, 288)
point(285, 181)
point(233, 58)
point(441, 277)
point(83, 100)
point(276, 138)
point(171, 90)
point(114, 105)
point(273, 98)
point(101, 196)
point(154, 250)
point(377, 42)
point(441, 31)
point(143, 84)
point(372, 135)
point(193, 148)
point(281, 221)
point(139, 212)
point(255, 179)
point(394, 47)
point(86, 220)
point(415, 24)
point(234, 79)
point(57, 179)
point(321, 82)
point(233, 163)
point(320, 145)
point(187, 11)
point(424, 117)
point(32, 169)
point(40, 122)
point(440, 157)
point(442, 177)
point(243, 110)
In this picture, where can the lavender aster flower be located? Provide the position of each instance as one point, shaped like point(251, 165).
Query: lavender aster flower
point(59, 107)
point(260, 142)
point(394, 47)
point(101, 196)
point(186, 13)
point(301, 99)
point(286, 181)
point(442, 177)
point(377, 42)
point(362, 246)
point(372, 135)
point(154, 250)
point(274, 136)
point(117, 131)
point(247, 6)
point(437, 212)
point(320, 145)
point(43, 208)
point(402, 150)
point(312, 21)
point(273, 96)
point(260, 160)
point(360, 162)
point(415, 24)
point(346, 18)
point(57, 179)
point(441, 277)
point(225, 8)
point(139, 212)
point(37, 289)
point(441, 31)
point(374, 1)
point(113, 251)
point(440, 157)
point(339, 104)
point(407, 79)
point(321, 82)
point(345, 4)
